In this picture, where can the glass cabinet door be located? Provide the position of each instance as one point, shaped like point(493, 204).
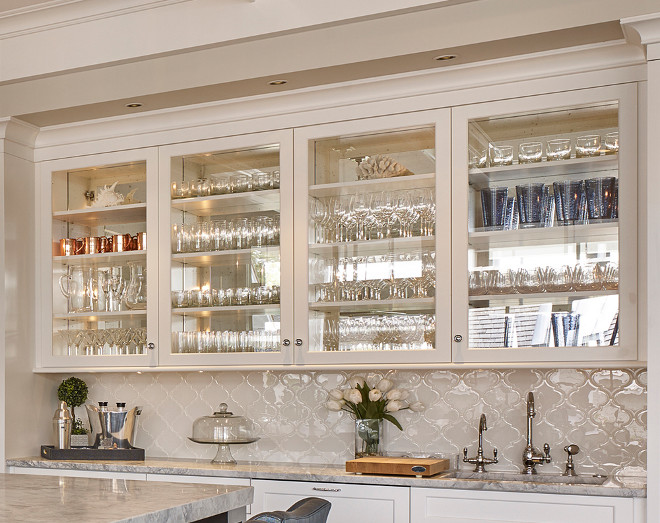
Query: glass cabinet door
point(103, 303)
point(372, 239)
point(225, 210)
point(550, 232)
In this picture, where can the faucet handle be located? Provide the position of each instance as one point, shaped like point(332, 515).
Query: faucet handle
point(495, 454)
point(546, 449)
point(465, 451)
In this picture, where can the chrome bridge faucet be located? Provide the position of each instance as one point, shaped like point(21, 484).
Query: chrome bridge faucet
point(479, 461)
point(531, 456)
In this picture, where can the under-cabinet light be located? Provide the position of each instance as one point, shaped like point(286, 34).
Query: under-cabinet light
point(133, 105)
point(277, 82)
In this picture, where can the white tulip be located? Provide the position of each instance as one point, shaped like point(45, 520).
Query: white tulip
point(418, 406)
point(336, 394)
point(384, 385)
point(353, 395)
point(375, 395)
point(394, 406)
point(333, 405)
point(404, 394)
point(355, 381)
point(394, 394)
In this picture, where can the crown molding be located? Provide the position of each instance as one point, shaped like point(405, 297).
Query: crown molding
point(62, 13)
point(644, 31)
point(17, 138)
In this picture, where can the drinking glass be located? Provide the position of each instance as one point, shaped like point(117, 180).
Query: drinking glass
point(179, 299)
point(530, 152)
point(200, 187)
point(588, 145)
point(477, 283)
point(600, 198)
point(241, 233)
point(240, 183)
point(493, 206)
point(500, 155)
point(570, 202)
point(275, 179)
point(611, 143)
point(220, 185)
point(558, 149)
point(511, 215)
point(261, 182)
point(535, 206)
point(565, 328)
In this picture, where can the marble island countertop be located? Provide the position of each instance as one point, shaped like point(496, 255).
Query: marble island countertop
point(29, 498)
point(617, 487)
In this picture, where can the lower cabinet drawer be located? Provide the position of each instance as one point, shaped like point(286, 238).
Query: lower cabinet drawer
point(368, 503)
point(77, 473)
point(206, 480)
point(467, 506)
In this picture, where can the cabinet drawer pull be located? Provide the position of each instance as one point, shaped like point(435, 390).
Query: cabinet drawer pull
point(323, 489)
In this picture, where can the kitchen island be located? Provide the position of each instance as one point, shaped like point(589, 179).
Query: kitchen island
point(28, 498)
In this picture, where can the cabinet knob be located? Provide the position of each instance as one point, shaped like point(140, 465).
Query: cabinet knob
point(151, 346)
point(458, 338)
point(286, 342)
point(298, 342)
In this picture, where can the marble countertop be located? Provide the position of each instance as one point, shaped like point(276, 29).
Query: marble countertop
point(618, 487)
point(30, 498)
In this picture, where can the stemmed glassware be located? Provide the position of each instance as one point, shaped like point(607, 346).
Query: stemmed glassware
point(370, 216)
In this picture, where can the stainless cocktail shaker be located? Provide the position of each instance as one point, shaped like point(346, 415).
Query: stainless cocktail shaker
point(62, 425)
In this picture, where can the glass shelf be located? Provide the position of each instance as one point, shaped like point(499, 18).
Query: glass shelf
point(94, 217)
point(406, 304)
point(100, 259)
point(223, 204)
point(416, 181)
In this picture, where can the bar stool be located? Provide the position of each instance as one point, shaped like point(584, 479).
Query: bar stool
point(308, 510)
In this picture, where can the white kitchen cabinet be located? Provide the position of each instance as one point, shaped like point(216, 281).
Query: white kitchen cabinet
point(73, 473)
point(468, 506)
point(545, 229)
point(374, 270)
point(98, 293)
point(375, 245)
point(373, 503)
point(226, 251)
point(207, 480)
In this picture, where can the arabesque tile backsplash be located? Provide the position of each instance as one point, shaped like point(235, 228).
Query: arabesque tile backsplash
point(603, 411)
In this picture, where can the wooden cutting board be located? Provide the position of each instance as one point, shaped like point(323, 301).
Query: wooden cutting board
point(398, 466)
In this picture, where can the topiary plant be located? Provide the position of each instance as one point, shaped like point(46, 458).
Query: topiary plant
point(74, 392)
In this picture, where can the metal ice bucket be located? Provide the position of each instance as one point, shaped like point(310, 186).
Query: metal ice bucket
point(112, 427)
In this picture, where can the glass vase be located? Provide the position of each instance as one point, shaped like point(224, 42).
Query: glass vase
point(368, 437)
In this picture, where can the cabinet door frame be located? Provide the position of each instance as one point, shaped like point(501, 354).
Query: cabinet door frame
point(399, 496)
point(441, 120)
point(44, 288)
point(626, 96)
point(284, 139)
point(623, 510)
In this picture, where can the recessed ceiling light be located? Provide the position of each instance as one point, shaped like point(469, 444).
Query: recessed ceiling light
point(444, 57)
point(133, 105)
point(277, 82)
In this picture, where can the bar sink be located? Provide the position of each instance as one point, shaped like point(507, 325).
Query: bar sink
point(529, 478)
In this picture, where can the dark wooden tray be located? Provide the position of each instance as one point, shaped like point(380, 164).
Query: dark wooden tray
point(88, 453)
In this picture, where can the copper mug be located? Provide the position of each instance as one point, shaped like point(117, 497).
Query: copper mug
point(91, 245)
point(140, 241)
point(122, 243)
point(71, 247)
point(104, 243)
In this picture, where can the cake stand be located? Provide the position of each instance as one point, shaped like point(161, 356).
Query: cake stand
point(224, 452)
